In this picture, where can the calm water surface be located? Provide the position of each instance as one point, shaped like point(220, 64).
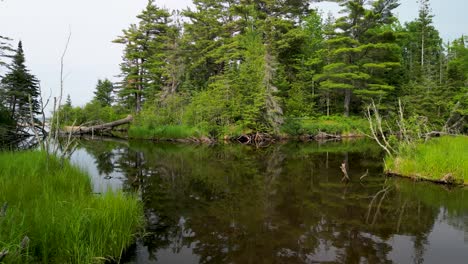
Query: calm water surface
point(285, 203)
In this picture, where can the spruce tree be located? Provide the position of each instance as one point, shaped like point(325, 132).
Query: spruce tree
point(103, 92)
point(20, 89)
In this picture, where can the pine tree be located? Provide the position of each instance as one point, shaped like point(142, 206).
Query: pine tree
point(144, 56)
point(208, 40)
point(20, 89)
point(5, 48)
point(361, 52)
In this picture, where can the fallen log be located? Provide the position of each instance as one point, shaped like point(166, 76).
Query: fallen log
point(323, 135)
point(80, 130)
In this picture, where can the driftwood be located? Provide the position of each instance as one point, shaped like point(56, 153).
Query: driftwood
point(80, 130)
point(323, 135)
point(345, 172)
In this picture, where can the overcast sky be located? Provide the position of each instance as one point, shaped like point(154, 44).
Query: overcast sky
point(43, 26)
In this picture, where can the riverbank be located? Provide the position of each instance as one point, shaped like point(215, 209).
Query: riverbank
point(50, 215)
point(303, 129)
point(441, 160)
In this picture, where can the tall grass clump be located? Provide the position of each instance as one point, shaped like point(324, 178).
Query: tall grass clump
point(52, 204)
point(432, 160)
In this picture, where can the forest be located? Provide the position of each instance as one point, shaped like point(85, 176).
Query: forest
point(226, 68)
point(249, 71)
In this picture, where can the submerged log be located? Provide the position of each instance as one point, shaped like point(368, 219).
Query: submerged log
point(80, 130)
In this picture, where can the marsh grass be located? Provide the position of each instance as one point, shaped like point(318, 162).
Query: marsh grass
point(432, 160)
point(54, 206)
point(165, 132)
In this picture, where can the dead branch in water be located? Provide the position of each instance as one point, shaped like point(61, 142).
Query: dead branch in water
point(345, 172)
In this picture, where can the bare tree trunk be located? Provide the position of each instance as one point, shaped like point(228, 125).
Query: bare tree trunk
point(99, 128)
point(347, 101)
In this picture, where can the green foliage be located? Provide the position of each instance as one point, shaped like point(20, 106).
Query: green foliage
point(103, 93)
point(361, 52)
point(345, 126)
point(144, 65)
point(5, 49)
point(19, 89)
point(242, 67)
point(92, 113)
point(433, 159)
point(53, 205)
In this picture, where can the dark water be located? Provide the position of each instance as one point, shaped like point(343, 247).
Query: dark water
point(283, 204)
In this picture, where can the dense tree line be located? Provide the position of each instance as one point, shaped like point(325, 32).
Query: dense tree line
point(260, 66)
point(256, 65)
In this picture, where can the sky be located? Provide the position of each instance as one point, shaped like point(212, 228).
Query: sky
point(43, 27)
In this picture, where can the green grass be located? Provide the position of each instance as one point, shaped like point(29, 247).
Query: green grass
point(433, 160)
point(54, 206)
point(339, 125)
point(164, 132)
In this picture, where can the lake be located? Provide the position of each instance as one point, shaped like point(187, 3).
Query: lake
point(285, 203)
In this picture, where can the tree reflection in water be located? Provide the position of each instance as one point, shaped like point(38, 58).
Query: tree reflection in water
point(282, 204)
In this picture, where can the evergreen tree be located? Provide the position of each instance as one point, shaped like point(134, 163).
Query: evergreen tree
point(5, 48)
point(457, 85)
point(144, 56)
point(361, 52)
point(103, 93)
point(20, 89)
point(422, 47)
point(208, 40)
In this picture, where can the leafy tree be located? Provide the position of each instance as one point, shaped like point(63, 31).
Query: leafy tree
point(103, 93)
point(20, 89)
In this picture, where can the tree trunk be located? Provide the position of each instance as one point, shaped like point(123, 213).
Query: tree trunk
point(347, 101)
point(98, 128)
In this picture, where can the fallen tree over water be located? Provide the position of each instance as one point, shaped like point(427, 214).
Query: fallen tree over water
point(97, 129)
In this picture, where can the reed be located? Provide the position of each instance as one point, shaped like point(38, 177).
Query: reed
point(53, 205)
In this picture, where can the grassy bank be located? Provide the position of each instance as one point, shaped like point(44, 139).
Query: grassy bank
point(164, 132)
point(55, 208)
point(337, 125)
point(433, 160)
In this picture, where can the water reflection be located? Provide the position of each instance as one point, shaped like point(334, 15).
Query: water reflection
point(283, 204)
